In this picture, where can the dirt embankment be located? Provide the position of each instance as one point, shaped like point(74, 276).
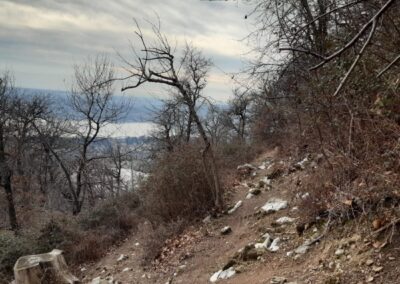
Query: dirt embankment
point(261, 240)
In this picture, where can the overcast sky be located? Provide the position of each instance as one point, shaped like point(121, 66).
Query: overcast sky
point(40, 40)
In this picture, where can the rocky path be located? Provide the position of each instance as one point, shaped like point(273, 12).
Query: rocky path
point(256, 241)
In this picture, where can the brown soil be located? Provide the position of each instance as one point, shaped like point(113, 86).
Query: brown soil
point(202, 250)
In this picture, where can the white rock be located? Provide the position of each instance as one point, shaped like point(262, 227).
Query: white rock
point(262, 167)
point(249, 195)
point(274, 205)
point(126, 269)
point(302, 164)
point(214, 277)
point(264, 245)
point(266, 236)
point(266, 180)
point(137, 244)
point(305, 195)
point(246, 166)
point(226, 230)
point(339, 252)
point(121, 258)
point(98, 280)
point(302, 249)
point(222, 274)
point(274, 245)
point(285, 220)
point(234, 208)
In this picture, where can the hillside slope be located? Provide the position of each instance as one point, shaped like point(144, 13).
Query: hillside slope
point(319, 251)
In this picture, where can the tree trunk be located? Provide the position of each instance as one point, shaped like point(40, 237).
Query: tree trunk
point(5, 181)
point(213, 167)
point(189, 126)
point(43, 268)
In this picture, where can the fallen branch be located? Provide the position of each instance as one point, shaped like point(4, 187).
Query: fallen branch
point(387, 226)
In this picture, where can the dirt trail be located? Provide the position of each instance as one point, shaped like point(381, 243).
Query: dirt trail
point(341, 257)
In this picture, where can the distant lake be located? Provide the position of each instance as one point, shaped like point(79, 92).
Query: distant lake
point(128, 129)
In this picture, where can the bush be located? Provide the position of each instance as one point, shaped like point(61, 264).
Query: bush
point(114, 214)
point(178, 187)
point(11, 248)
point(52, 236)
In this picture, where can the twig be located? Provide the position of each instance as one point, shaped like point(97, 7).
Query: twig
point(357, 36)
point(343, 81)
point(393, 223)
point(388, 66)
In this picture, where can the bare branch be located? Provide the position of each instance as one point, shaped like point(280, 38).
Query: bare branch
point(388, 66)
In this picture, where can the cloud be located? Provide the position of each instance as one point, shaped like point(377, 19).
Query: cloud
point(41, 39)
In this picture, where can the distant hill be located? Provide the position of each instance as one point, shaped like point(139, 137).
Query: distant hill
point(140, 110)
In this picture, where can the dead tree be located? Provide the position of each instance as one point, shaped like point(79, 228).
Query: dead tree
point(90, 101)
point(156, 63)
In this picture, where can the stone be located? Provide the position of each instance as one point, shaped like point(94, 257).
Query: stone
point(223, 274)
point(249, 252)
point(122, 257)
point(226, 230)
point(302, 249)
point(305, 196)
point(99, 280)
point(274, 204)
point(249, 196)
point(264, 245)
point(369, 279)
point(234, 208)
point(246, 169)
point(126, 269)
point(266, 181)
point(278, 280)
point(255, 191)
point(274, 245)
point(377, 268)
point(339, 252)
point(369, 262)
point(285, 220)
point(302, 164)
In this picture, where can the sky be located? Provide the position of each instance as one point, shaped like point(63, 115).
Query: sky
point(40, 40)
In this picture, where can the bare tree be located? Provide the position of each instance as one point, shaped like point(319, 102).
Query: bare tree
point(325, 30)
point(172, 128)
point(215, 123)
point(93, 108)
point(17, 115)
point(6, 90)
point(156, 62)
point(238, 111)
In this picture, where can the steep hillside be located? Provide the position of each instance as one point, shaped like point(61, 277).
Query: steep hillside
point(265, 239)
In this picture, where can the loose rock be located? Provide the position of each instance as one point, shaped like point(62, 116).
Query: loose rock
point(285, 220)
point(234, 208)
point(274, 204)
point(222, 274)
point(278, 280)
point(226, 230)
